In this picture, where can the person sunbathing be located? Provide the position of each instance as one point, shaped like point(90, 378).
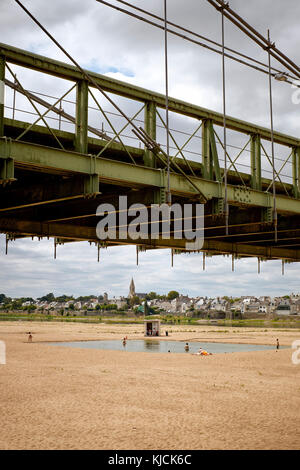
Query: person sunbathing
point(202, 352)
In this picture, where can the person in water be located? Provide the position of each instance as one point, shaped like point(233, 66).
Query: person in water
point(277, 344)
point(186, 347)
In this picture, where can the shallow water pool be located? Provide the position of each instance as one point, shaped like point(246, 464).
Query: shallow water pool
point(157, 346)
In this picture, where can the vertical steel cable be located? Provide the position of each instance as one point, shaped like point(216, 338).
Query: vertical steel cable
point(59, 119)
point(224, 125)
point(167, 104)
point(272, 140)
point(14, 100)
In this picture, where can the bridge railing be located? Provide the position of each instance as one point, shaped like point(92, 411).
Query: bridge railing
point(194, 131)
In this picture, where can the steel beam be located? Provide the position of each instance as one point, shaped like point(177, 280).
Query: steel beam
point(56, 110)
point(2, 89)
point(210, 160)
point(255, 162)
point(40, 134)
point(80, 233)
point(69, 72)
point(48, 192)
point(206, 154)
point(296, 171)
point(150, 128)
point(81, 124)
point(49, 159)
point(214, 152)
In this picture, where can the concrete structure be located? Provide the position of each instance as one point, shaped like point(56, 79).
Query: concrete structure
point(152, 327)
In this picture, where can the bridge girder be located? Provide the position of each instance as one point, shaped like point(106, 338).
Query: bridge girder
point(58, 189)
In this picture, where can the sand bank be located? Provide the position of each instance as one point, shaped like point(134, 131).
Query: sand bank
point(64, 398)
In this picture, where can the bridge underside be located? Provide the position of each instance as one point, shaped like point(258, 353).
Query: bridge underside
point(49, 191)
point(54, 194)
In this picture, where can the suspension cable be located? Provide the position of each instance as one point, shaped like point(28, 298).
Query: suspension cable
point(200, 36)
point(85, 74)
point(255, 35)
point(226, 207)
point(167, 105)
point(272, 141)
point(194, 41)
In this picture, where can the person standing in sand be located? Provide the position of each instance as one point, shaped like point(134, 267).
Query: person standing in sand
point(29, 337)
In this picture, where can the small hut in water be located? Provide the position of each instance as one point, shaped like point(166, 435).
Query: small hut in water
point(152, 327)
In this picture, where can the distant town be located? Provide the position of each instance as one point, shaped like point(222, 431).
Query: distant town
point(151, 303)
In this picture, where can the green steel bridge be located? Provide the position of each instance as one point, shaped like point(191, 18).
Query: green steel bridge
point(52, 180)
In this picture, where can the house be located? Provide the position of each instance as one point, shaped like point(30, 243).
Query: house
point(120, 302)
point(219, 305)
point(283, 308)
point(252, 307)
point(180, 304)
point(263, 308)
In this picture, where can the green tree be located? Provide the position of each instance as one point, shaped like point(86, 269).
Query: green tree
point(31, 308)
point(151, 296)
point(64, 298)
point(47, 298)
point(86, 298)
point(173, 294)
point(135, 300)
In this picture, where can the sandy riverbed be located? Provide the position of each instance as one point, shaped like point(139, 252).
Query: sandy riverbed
point(64, 398)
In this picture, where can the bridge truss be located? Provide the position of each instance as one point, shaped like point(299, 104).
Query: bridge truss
point(52, 179)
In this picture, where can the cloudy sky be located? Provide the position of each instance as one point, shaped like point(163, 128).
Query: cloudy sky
point(111, 43)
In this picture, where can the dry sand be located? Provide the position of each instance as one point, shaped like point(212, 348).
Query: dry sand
point(67, 398)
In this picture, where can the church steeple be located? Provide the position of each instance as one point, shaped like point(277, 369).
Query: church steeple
point(132, 289)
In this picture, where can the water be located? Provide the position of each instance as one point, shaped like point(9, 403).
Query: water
point(156, 346)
